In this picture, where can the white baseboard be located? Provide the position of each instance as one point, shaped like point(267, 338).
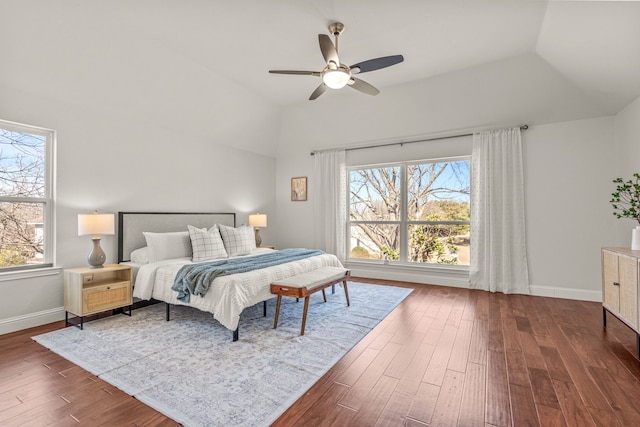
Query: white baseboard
point(13, 324)
point(566, 293)
point(460, 279)
point(31, 320)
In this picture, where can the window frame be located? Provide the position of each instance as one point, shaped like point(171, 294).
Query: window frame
point(403, 223)
point(47, 201)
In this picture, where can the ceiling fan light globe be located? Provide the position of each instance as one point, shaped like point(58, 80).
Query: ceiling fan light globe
point(336, 79)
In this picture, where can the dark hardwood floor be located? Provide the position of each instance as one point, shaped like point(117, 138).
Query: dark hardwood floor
point(444, 356)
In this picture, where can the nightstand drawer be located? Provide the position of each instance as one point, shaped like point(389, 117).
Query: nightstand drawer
point(105, 297)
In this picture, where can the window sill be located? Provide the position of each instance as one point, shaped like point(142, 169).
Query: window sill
point(445, 275)
point(29, 273)
point(461, 270)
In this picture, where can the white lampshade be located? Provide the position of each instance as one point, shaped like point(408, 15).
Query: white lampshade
point(336, 79)
point(96, 224)
point(258, 220)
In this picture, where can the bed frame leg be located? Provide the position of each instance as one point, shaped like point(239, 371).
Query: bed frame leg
point(235, 334)
point(264, 308)
point(167, 305)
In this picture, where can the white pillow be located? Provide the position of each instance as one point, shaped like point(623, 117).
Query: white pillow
point(140, 256)
point(206, 245)
point(168, 245)
point(238, 241)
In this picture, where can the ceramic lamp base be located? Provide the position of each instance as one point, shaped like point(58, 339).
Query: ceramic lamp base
point(97, 256)
point(258, 238)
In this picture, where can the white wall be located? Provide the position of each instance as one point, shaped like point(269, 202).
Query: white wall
point(627, 132)
point(568, 172)
point(114, 163)
point(492, 95)
point(570, 162)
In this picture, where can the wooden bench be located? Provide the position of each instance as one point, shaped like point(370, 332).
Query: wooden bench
point(305, 284)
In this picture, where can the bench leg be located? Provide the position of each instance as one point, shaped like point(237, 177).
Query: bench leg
point(324, 295)
point(346, 292)
point(304, 314)
point(275, 319)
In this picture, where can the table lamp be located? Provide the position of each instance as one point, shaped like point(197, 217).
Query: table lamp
point(258, 220)
point(96, 224)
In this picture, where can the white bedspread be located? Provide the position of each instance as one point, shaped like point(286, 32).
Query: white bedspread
point(228, 295)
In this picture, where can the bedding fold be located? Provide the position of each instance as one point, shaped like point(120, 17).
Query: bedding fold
point(195, 279)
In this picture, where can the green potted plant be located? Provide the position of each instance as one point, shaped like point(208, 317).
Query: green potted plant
point(626, 204)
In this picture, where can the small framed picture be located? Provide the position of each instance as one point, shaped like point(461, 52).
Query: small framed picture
point(299, 189)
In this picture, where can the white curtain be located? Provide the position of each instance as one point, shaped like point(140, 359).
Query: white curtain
point(329, 211)
point(498, 245)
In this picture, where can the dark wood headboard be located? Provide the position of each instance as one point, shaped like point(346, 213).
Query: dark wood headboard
point(131, 225)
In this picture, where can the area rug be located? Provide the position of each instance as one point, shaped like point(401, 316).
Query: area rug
point(191, 371)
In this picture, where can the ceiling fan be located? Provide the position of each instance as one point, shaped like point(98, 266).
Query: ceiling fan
point(337, 75)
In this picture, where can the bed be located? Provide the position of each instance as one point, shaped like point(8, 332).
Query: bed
point(227, 296)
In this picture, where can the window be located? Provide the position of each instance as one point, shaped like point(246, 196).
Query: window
point(25, 197)
point(413, 213)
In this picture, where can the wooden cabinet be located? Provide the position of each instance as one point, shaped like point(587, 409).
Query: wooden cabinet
point(93, 290)
point(620, 287)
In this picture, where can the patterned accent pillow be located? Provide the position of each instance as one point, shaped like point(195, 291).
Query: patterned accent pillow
point(168, 245)
point(207, 245)
point(238, 241)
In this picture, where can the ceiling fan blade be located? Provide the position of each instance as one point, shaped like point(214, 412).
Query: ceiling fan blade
point(328, 49)
point(299, 73)
point(363, 86)
point(319, 91)
point(376, 64)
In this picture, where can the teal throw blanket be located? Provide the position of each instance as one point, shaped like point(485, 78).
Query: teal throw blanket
point(195, 279)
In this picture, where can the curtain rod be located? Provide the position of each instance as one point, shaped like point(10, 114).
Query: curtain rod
point(438, 138)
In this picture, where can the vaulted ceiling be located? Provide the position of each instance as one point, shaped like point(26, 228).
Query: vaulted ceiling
point(191, 62)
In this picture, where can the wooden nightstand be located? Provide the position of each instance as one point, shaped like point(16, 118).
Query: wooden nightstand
point(93, 290)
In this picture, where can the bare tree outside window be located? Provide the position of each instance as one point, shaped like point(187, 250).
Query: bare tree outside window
point(22, 197)
point(415, 213)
